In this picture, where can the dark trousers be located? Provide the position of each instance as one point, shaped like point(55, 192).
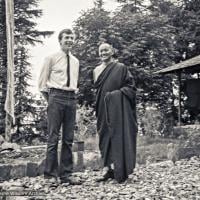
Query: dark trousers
point(61, 111)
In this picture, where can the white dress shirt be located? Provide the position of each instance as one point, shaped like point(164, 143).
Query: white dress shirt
point(54, 73)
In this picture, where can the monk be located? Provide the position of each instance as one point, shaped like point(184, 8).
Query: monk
point(116, 116)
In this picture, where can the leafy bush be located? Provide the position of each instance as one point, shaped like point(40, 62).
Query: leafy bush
point(192, 138)
point(188, 145)
point(86, 122)
point(153, 122)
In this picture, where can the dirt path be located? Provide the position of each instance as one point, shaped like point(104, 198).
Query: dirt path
point(154, 181)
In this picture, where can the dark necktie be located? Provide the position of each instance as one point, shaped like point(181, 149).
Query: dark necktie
point(68, 71)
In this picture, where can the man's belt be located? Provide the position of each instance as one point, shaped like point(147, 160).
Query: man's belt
point(56, 90)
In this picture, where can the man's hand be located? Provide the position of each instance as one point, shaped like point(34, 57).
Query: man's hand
point(45, 95)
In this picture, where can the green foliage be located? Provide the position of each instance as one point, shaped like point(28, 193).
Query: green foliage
point(193, 140)
point(89, 28)
point(25, 34)
point(25, 26)
point(3, 61)
point(86, 123)
point(187, 23)
point(142, 48)
point(136, 44)
point(152, 122)
point(146, 37)
point(33, 127)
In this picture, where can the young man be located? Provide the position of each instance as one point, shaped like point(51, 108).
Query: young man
point(116, 116)
point(58, 83)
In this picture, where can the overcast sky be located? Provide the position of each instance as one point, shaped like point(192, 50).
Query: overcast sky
point(57, 14)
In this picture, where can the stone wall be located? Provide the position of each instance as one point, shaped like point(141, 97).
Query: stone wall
point(18, 168)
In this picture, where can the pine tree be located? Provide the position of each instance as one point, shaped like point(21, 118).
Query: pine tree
point(3, 61)
point(25, 34)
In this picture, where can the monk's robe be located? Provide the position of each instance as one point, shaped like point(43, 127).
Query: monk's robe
point(116, 119)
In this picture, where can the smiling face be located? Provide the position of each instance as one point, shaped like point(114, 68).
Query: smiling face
point(105, 52)
point(67, 41)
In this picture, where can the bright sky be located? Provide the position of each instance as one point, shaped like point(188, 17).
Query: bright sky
point(57, 14)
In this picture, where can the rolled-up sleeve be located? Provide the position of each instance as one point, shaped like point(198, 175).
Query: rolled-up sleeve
point(44, 75)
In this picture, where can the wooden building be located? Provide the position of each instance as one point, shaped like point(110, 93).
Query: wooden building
point(190, 66)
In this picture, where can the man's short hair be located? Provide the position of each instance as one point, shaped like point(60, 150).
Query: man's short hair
point(67, 31)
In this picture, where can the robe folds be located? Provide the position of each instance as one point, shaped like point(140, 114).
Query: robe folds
point(116, 119)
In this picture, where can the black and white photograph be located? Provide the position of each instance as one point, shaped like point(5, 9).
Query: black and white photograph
point(100, 99)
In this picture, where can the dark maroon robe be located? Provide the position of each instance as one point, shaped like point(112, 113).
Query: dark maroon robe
point(116, 119)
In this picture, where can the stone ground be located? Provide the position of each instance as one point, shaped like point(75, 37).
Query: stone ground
point(153, 181)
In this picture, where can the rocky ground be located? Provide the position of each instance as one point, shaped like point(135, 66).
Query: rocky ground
point(153, 181)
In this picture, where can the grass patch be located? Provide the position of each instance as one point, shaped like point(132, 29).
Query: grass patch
point(153, 149)
point(149, 149)
point(147, 140)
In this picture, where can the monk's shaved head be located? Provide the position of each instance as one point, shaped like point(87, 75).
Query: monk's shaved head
point(106, 52)
point(105, 45)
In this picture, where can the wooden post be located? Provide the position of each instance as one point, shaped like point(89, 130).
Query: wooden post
point(179, 98)
point(8, 127)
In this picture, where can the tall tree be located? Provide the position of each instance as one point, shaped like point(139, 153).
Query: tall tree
point(146, 44)
point(90, 28)
point(184, 16)
point(186, 19)
point(143, 39)
point(26, 34)
point(147, 36)
point(142, 48)
point(3, 61)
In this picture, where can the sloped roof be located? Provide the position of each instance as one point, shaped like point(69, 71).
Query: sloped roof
point(191, 65)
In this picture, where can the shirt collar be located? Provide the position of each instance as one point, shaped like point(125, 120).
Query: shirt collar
point(64, 54)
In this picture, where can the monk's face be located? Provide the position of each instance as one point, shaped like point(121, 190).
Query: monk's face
point(105, 52)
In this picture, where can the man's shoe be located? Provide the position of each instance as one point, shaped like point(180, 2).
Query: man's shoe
point(70, 181)
point(108, 175)
point(51, 181)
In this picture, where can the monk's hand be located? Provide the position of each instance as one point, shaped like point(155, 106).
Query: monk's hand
point(112, 92)
point(107, 93)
